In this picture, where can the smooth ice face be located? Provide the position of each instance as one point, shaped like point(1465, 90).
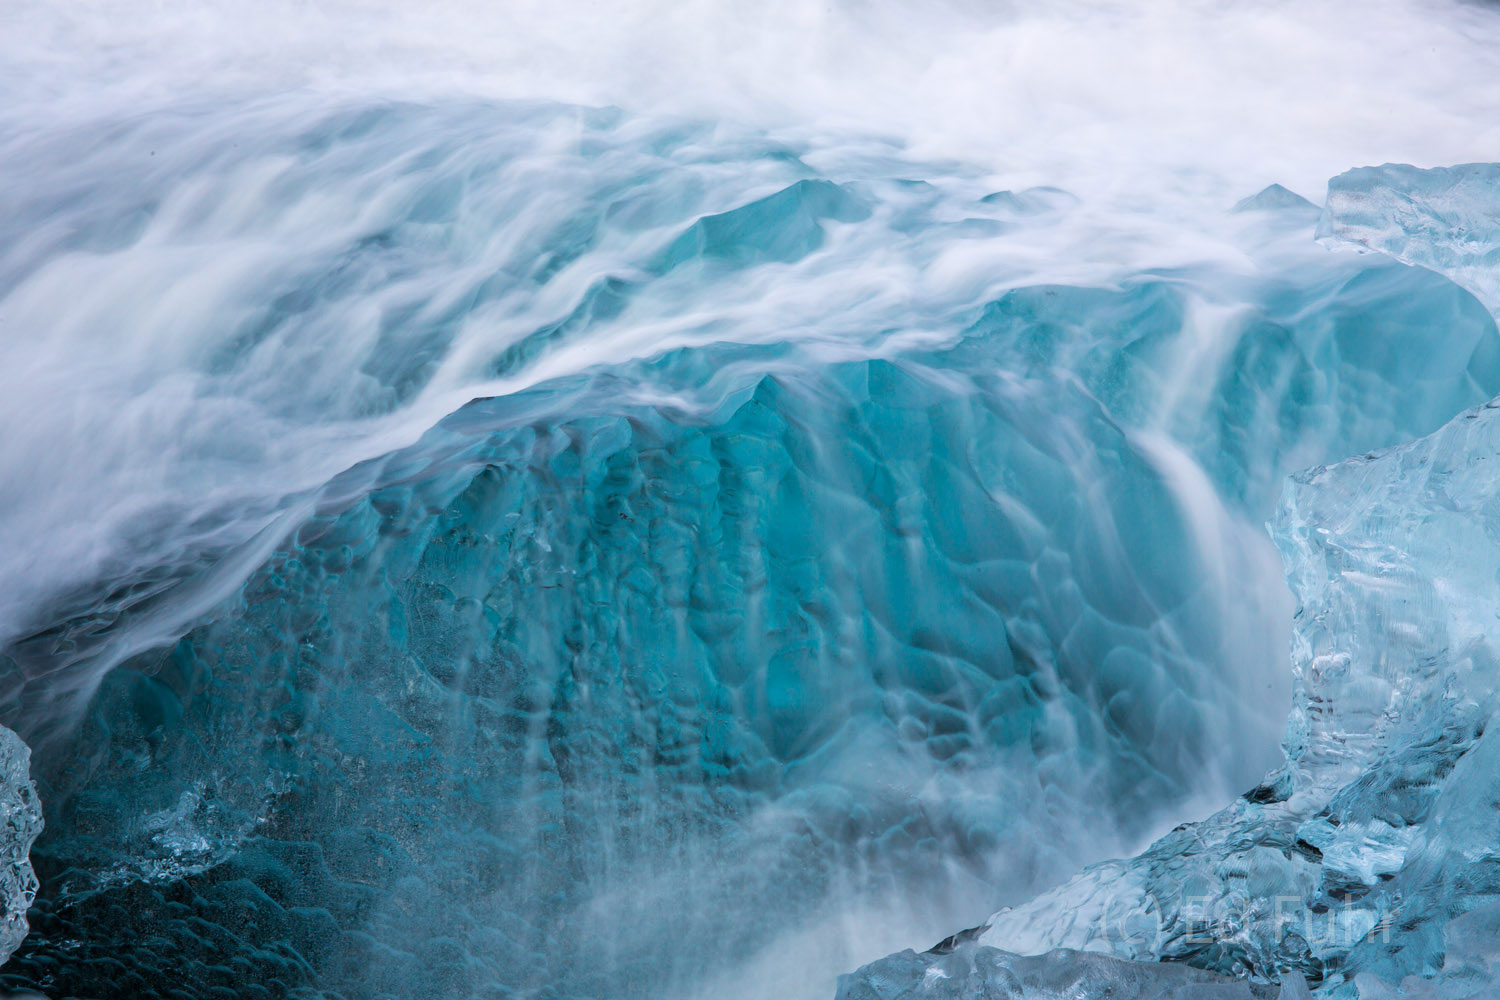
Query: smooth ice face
point(1348, 863)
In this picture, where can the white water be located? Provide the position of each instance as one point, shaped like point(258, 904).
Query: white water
point(1214, 92)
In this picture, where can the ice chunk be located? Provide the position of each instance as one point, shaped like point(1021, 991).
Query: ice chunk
point(1446, 219)
point(678, 651)
point(969, 971)
point(892, 617)
point(642, 676)
point(1275, 198)
point(661, 662)
point(20, 822)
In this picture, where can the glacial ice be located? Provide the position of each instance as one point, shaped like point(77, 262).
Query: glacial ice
point(1442, 218)
point(655, 656)
point(543, 681)
point(554, 680)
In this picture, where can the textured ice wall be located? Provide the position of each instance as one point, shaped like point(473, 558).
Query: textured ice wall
point(626, 678)
point(1348, 864)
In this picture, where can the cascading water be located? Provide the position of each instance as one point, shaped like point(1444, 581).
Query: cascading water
point(484, 518)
